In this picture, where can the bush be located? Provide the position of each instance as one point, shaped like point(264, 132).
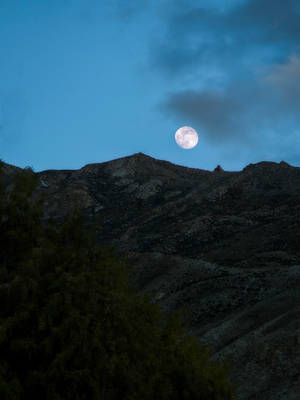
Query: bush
point(72, 328)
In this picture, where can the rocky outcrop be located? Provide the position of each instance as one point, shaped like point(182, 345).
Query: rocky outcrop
point(218, 169)
point(225, 244)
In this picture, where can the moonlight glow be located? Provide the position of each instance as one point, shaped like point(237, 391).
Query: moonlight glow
point(186, 137)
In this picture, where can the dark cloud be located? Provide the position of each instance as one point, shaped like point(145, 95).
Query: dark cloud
point(252, 29)
point(277, 21)
point(213, 112)
point(245, 110)
point(255, 47)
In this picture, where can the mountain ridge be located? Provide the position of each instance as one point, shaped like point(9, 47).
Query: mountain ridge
point(226, 244)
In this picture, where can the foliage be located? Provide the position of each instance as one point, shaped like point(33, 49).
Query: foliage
point(72, 328)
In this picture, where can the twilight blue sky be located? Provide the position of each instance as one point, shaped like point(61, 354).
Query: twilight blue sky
point(90, 81)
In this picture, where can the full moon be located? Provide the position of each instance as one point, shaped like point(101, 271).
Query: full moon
point(186, 137)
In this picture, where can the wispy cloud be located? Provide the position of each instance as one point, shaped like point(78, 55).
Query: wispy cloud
point(251, 32)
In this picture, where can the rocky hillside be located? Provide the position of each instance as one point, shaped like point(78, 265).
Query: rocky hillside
point(226, 244)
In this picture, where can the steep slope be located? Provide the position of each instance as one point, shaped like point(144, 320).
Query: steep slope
point(226, 244)
point(233, 218)
point(251, 316)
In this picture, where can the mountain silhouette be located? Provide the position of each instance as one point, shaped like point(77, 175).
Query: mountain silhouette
point(227, 244)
